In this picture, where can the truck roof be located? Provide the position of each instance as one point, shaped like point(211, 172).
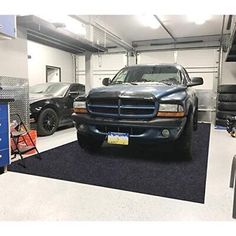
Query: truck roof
point(160, 64)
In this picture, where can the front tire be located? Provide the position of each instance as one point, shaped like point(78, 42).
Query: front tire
point(195, 117)
point(89, 143)
point(183, 144)
point(47, 122)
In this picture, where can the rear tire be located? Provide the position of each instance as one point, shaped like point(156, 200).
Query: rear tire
point(89, 143)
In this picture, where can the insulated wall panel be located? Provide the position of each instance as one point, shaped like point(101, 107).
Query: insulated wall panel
point(104, 65)
point(156, 57)
point(201, 63)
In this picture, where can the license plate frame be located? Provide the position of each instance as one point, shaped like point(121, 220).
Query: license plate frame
point(118, 138)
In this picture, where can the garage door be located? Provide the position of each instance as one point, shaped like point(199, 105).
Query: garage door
point(198, 62)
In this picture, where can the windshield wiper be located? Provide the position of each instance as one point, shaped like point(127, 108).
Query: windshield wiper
point(167, 83)
point(118, 82)
point(133, 83)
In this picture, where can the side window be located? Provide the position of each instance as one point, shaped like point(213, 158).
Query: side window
point(120, 77)
point(81, 88)
point(74, 90)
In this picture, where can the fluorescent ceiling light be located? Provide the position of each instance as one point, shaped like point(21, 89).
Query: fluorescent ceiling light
point(149, 21)
point(68, 22)
point(198, 19)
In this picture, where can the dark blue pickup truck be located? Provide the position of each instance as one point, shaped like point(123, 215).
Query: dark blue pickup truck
point(142, 103)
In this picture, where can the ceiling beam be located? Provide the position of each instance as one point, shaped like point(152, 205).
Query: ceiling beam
point(164, 27)
point(181, 40)
point(37, 27)
point(53, 42)
point(181, 43)
point(171, 48)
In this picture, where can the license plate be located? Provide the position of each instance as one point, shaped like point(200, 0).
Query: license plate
point(118, 138)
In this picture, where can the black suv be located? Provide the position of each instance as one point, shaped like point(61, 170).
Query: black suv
point(51, 105)
point(142, 103)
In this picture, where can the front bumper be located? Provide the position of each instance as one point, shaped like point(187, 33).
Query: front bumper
point(139, 130)
point(33, 121)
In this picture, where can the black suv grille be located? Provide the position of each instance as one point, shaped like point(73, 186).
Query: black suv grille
point(122, 107)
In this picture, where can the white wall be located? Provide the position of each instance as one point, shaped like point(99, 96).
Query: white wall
point(13, 56)
point(41, 56)
point(106, 65)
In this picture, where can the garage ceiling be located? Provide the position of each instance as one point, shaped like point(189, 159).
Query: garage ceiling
point(126, 32)
point(131, 29)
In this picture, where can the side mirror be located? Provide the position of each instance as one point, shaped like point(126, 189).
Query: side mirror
point(196, 81)
point(73, 94)
point(106, 81)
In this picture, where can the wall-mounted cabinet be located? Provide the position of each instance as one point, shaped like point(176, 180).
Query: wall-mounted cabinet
point(7, 26)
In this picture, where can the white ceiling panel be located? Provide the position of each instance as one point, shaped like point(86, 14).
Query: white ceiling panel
point(181, 26)
point(131, 29)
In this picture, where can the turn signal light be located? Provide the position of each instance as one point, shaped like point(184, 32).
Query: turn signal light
point(170, 114)
point(80, 110)
point(80, 107)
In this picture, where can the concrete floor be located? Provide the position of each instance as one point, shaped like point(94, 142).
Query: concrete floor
point(26, 197)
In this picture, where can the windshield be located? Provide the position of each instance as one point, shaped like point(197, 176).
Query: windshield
point(53, 89)
point(148, 74)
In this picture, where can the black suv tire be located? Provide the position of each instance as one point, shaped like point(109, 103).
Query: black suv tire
point(47, 122)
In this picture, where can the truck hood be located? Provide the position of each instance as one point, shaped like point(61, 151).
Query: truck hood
point(142, 90)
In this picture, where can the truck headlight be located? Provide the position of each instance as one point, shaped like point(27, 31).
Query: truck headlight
point(80, 107)
point(170, 110)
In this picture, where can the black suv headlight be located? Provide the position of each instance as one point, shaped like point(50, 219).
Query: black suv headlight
point(80, 107)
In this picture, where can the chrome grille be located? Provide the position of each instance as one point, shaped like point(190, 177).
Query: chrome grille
point(122, 107)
